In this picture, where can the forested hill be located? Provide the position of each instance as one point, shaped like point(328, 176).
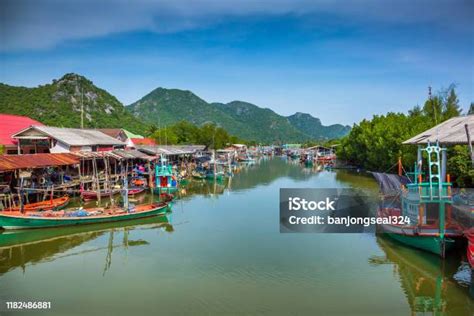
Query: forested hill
point(245, 120)
point(59, 104)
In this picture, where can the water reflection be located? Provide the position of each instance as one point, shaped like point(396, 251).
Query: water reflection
point(426, 280)
point(25, 247)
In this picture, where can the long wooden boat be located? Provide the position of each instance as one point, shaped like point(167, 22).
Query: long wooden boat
point(17, 220)
point(92, 195)
point(134, 191)
point(47, 205)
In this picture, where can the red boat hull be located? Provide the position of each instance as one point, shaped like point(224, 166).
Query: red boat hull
point(43, 205)
point(470, 246)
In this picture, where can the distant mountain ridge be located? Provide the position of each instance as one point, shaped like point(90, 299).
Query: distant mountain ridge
point(313, 127)
point(245, 120)
point(59, 104)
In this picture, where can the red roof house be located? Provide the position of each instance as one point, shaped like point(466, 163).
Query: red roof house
point(143, 141)
point(11, 124)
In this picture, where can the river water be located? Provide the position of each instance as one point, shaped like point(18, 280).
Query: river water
point(220, 251)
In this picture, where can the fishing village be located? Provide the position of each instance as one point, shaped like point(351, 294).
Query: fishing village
point(103, 172)
point(236, 158)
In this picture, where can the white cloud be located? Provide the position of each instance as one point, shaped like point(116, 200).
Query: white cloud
point(30, 24)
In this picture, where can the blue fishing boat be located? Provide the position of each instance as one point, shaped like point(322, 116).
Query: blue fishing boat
point(165, 180)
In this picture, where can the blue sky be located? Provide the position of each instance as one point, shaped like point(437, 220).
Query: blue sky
point(341, 61)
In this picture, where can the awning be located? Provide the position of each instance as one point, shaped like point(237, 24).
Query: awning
point(34, 161)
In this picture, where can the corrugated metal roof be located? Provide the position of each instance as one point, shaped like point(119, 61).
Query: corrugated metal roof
point(118, 154)
point(74, 136)
point(172, 149)
point(450, 132)
point(112, 132)
point(133, 154)
point(13, 162)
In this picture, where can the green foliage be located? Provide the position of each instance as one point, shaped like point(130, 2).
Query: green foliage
point(442, 106)
point(471, 109)
point(59, 104)
point(2, 149)
point(183, 132)
point(460, 166)
point(376, 144)
point(248, 121)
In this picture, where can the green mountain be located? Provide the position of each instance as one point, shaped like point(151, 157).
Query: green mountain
point(313, 127)
point(261, 124)
point(59, 104)
point(164, 107)
point(167, 106)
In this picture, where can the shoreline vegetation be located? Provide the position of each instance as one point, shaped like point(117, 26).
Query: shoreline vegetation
point(376, 144)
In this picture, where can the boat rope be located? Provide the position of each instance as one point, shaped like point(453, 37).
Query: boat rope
point(395, 164)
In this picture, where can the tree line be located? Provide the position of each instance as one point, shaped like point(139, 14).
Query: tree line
point(184, 132)
point(376, 144)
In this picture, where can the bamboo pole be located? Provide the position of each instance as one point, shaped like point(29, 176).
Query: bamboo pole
point(469, 143)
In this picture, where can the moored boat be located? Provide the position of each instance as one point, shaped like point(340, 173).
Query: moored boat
point(51, 204)
point(423, 213)
point(134, 191)
point(28, 220)
point(165, 180)
point(211, 175)
point(93, 195)
point(425, 237)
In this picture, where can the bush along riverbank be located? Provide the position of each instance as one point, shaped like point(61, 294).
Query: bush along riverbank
point(376, 144)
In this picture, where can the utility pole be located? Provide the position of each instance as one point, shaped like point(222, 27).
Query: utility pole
point(82, 110)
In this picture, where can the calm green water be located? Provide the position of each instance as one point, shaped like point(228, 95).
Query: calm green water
point(220, 252)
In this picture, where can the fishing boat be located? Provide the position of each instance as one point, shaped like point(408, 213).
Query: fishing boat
point(165, 180)
point(18, 220)
point(89, 195)
point(199, 175)
point(245, 158)
point(138, 182)
point(81, 216)
point(135, 191)
point(212, 174)
point(51, 204)
point(307, 159)
point(424, 207)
